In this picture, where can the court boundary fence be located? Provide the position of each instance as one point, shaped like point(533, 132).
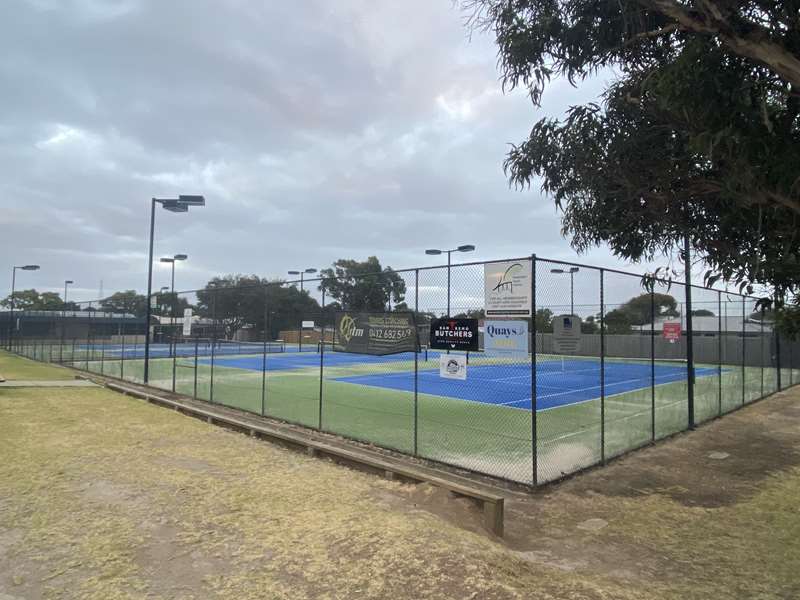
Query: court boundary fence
point(533, 446)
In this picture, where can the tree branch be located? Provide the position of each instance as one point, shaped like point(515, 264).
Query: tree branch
point(754, 44)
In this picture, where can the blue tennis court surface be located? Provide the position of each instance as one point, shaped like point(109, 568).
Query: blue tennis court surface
point(298, 360)
point(558, 383)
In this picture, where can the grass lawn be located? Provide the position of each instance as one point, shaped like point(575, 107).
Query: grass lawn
point(20, 368)
point(106, 497)
point(488, 438)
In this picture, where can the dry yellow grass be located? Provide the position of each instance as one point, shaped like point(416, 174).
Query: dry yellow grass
point(106, 497)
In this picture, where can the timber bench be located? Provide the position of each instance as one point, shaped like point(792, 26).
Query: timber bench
point(491, 502)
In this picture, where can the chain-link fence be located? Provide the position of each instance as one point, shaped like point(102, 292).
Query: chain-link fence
point(608, 361)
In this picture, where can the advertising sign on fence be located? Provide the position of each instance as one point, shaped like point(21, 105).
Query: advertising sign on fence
point(507, 288)
point(671, 332)
point(375, 333)
point(454, 334)
point(307, 325)
point(453, 366)
point(187, 322)
point(506, 338)
point(566, 334)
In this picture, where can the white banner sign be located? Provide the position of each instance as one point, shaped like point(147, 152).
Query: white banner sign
point(453, 366)
point(506, 338)
point(187, 321)
point(507, 288)
point(307, 325)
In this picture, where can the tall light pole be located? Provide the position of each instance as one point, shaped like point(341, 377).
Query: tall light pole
point(13, 300)
point(571, 271)
point(180, 204)
point(172, 261)
point(434, 251)
point(67, 282)
point(301, 273)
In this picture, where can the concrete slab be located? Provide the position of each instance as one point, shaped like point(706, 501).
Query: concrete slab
point(47, 384)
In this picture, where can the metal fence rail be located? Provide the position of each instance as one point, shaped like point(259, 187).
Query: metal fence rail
point(530, 417)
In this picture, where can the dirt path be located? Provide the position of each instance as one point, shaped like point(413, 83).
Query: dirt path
point(102, 496)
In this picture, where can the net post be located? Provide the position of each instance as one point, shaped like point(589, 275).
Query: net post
point(602, 369)
point(322, 360)
point(103, 357)
point(653, 363)
point(534, 417)
point(416, 362)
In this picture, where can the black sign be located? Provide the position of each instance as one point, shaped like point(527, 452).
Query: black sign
point(375, 333)
point(454, 334)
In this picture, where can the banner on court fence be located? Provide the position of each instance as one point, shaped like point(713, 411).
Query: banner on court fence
point(375, 333)
point(566, 334)
point(307, 325)
point(187, 321)
point(671, 332)
point(453, 366)
point(454, 334)
point(506, 338)
point(507, 288)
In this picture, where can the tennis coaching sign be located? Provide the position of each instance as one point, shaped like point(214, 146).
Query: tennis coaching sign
point(507, 288)
point(375, 333)
point(454, 334)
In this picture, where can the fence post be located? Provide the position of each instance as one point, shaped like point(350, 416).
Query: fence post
point(264, 359)
point(743, 350)
point(322, 359)
point(653, 363)
point(213, 344)
point(196, 343)
point(602, 368)
point(719, 353)
point(761, 357)
point(689, 333)
point(534, 366)
point(174, 356)
point(777, 355)
point(416, 363)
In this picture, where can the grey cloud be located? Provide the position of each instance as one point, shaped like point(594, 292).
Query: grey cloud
point(317, 130)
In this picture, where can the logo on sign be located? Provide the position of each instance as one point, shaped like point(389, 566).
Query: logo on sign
point(506, 282)
point(348, 329)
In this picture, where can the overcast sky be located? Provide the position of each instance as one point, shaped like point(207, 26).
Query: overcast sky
point(316, 130)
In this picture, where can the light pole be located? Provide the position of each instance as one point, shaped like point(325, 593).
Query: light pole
point(301, 273)
point(571, 271)
point(66, 284)
point(300, 332)
point(172, 262)
point(434, 251)
point(180, 204)
point(13, 301)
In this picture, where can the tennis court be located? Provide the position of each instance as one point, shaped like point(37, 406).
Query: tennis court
point(559, 381)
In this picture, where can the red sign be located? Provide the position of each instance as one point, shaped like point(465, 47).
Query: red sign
point(672, 331)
